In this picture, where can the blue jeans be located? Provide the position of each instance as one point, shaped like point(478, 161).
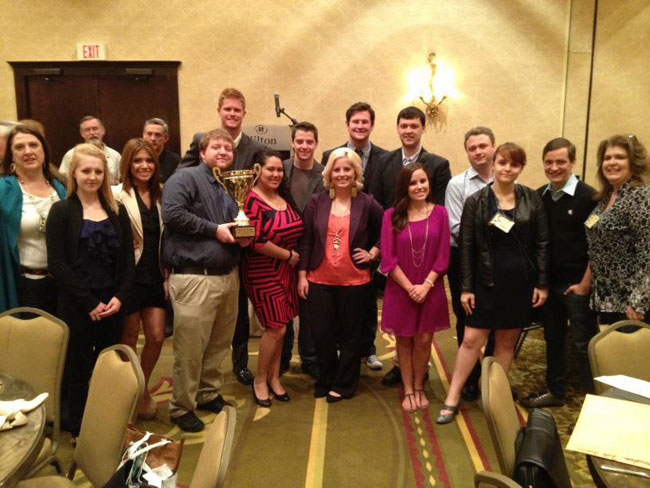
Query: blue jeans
point(558, 309)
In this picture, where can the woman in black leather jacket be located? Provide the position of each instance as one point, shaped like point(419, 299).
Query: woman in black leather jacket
point(504, 260)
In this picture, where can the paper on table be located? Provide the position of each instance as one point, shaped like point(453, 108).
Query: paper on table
point(627, 383)
point(613, 429)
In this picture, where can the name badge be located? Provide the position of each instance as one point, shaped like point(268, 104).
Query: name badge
point(591, 221)
point(502, 223)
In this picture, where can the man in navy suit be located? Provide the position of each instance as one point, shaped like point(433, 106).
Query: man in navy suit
point(410, 127)
point(360, 121)
point(232, 110)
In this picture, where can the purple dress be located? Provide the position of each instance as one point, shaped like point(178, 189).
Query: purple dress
point(400, 315)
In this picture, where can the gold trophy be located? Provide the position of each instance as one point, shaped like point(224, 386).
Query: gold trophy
point(238, 184)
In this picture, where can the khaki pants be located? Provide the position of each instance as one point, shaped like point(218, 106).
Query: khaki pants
point(205, 311)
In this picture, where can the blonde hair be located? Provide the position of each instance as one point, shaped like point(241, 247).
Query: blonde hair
point(93, 151)
point(355, 162)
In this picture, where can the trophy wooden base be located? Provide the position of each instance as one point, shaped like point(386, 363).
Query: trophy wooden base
point(243, 231)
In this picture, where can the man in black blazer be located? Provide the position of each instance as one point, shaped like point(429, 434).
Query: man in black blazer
point(360, 121)
point(304, 177)
point(232, 110)
point(410, 127)
point(156, 132)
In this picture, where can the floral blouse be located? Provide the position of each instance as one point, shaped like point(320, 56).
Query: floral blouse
point(619, 251)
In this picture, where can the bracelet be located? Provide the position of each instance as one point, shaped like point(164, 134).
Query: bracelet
point(427, 280)
point(290, 254)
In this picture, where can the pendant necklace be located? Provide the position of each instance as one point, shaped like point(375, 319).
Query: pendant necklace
point(42, 216)
point(417, 255)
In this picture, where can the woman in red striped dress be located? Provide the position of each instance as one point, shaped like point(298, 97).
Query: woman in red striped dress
point(269, 273)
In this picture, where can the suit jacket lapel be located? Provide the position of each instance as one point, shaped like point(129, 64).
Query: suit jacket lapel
point(324, 209)
point(130, 202)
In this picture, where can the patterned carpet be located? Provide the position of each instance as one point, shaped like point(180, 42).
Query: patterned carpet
point(364, 442)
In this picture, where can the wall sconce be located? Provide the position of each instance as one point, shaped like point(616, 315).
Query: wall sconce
point(431, 86)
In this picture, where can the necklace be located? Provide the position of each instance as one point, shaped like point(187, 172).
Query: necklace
point(417, 255)
point(41, 210)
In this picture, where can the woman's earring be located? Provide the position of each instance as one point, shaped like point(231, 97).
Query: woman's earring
point(12, 168)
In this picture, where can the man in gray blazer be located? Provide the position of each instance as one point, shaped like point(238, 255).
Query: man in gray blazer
point(232, 110)
point(304, 177)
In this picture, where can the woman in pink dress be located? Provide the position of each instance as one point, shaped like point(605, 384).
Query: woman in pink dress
point(415, 255)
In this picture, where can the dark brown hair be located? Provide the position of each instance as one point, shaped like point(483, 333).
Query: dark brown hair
point(49, 170)
point(401, 205)
point(131, 148)
point(637, 156)
point(511, 151)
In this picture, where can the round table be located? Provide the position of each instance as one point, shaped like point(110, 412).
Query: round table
point(19, 447)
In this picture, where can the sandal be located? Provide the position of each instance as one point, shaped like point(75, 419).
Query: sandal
point(420, 393)
point(445, 418)
point(412, 404)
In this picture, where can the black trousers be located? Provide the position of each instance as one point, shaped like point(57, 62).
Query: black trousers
point(39, 293)
point(558, 309)
point(369, 320)
point(305, 339)
point(242, 331)
point(335, 314)
point(87, 340)
point(453, 274)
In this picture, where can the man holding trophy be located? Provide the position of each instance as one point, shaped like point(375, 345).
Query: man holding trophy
point(202, 257)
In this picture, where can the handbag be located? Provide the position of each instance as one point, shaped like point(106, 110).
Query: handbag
point(539, 460)
point(147, 457)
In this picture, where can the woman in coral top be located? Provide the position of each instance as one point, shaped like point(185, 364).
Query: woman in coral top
point(342, 227)
point(415, 256)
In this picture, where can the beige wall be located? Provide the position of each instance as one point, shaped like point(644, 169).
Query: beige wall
point(510, 59)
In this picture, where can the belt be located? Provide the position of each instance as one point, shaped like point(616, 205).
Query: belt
point(37, 272)
point(197, 270)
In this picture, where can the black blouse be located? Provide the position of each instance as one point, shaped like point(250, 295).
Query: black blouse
point(148, 267)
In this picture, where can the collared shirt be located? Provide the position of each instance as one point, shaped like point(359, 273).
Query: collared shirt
point(365, 150)
point(410, 159)
point(459, 188)
point(193, 206)
point(113, 159)
point(569, 188)
point(237, 140)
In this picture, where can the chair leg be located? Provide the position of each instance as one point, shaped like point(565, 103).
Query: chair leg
point(72, 470)
point(57, 465)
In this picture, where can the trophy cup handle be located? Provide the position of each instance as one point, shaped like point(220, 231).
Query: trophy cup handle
point(216, 172)
point(258, 170)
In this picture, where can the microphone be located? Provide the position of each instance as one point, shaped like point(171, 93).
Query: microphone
point(277, 104)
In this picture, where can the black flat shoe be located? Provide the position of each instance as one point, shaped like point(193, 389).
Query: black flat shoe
point(281, 398)
point(333, 399)
point(262, 402)
point(188, 422)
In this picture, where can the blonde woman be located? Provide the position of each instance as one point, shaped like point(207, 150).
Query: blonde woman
point(90, 255)
point(341, 237)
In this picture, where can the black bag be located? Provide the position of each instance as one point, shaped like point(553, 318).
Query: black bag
point(539, 461)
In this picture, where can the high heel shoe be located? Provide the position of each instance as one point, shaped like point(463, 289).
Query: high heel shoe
point(281, 398)
point(446, 418)
point(262, 402)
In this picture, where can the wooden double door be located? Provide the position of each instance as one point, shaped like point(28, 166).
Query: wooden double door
point(122, 94)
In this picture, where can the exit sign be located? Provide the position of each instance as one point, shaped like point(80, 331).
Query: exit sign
point(91, 51)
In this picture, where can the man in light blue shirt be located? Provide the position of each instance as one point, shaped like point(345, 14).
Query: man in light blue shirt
point(479, 145)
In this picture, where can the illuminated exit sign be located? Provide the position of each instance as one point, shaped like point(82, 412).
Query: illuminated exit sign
point(91, 51)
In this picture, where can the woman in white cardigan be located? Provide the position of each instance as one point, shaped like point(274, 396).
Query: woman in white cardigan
point(140, 192)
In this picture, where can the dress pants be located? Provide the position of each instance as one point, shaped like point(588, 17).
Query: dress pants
point(205, 311)
point(87, 340)
point(242, 332)
point(335, 314)
point(453, 274)
point(557, 309)
point(305, 339)
point(369, 321)
point(38, 293)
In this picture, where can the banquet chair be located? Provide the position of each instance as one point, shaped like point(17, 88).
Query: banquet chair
point(613, 352)
point(213, 461)
point(488, 479)
point(500, 413)
point(116, 385)
point(34, 350)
